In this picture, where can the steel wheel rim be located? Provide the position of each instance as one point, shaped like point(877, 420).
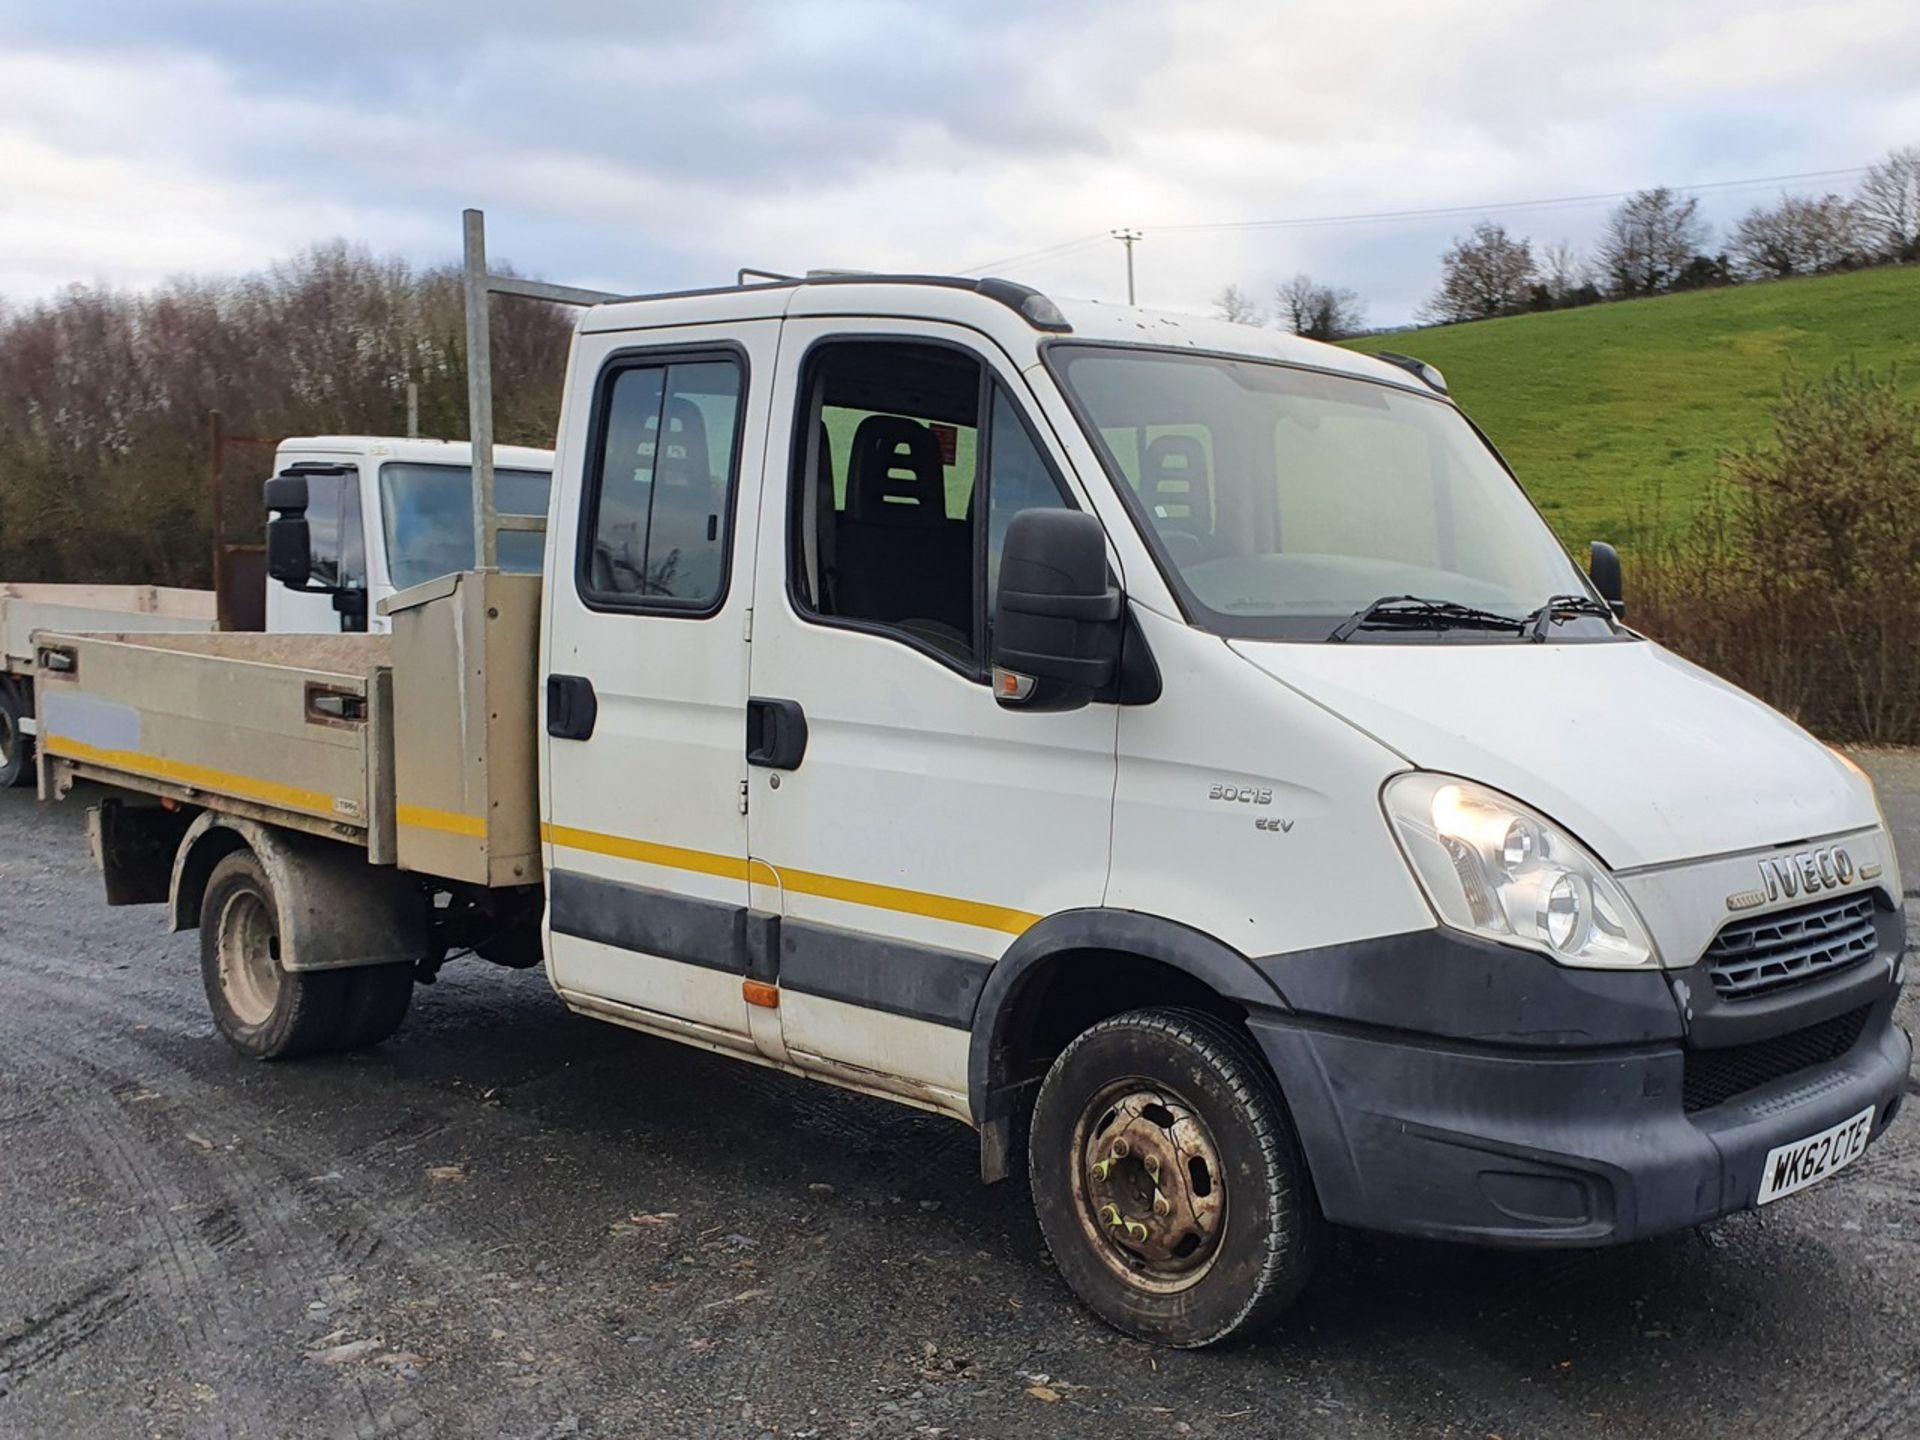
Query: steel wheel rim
point(9, 738)
point(1149, 1187)
point(249, 958)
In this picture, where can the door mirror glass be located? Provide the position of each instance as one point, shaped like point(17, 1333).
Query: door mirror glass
point(1058, 616)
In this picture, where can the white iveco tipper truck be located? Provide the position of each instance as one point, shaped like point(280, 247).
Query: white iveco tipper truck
point(1177, 750)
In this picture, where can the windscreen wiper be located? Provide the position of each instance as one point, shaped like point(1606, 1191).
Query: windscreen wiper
point(1557, 605)
point(1410, 612)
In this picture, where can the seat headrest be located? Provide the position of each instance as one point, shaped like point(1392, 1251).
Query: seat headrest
point(894, 475)
point(684, 459)
point(1173, 483)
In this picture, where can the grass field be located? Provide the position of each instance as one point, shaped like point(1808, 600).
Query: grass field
point(1614, 415)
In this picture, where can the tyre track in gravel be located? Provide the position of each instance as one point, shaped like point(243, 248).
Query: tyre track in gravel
point(282, 1203)
point(44, 1339)
point(184, 1273)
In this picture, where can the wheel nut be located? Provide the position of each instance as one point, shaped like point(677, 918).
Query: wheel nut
point(1152, 1163)
point(1111, 1215)
point(1160, 1205)
point(1100, 1169)
point(1121, 1149)
point(1136, 1232)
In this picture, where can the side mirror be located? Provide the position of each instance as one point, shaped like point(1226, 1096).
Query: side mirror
point(1603, 565)
point(1058, 616)
point(289, 541)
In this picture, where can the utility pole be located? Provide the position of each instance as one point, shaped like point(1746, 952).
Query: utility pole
point(1126, 237)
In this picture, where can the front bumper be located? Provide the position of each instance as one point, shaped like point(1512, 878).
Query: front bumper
point(1570, 1133)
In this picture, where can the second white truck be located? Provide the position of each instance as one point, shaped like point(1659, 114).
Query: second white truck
point(387, 513)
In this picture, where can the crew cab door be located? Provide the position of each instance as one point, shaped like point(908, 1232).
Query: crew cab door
point(650, 578)
point(905, 827)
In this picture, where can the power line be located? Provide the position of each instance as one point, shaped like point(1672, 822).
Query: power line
point(1047, 252)
point(1441, 212)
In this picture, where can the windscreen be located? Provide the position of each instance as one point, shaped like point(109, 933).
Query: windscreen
point(428, 510)
point(1284, 499)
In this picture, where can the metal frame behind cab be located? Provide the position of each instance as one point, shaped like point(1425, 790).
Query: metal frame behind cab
point(481, 287)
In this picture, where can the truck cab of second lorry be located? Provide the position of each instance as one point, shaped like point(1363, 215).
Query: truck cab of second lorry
point(384, 513)
point(1185, 747)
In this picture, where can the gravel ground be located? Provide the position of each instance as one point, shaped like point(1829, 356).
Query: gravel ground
point(511, 1221)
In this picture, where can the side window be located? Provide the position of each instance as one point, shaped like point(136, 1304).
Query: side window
point(894, 528)
point(335, 534)
point(658, 517)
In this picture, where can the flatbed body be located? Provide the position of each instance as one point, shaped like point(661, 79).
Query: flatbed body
point(120, 609)
point(302, 731)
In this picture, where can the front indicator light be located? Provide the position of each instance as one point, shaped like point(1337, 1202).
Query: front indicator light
point(1492, 867)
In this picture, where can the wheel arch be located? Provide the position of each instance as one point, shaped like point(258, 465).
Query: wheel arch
point(1039, 987)
point(335, 909)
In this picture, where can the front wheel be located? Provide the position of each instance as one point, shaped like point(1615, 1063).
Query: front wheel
point(1168, 1181)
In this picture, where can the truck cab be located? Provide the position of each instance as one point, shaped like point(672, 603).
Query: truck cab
point(384, 513)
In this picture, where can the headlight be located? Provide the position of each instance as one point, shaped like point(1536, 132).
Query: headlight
point(1886, 829)
point(1493, 867)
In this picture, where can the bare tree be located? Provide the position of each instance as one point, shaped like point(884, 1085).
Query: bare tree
point(1649, 239)
point(1487, 273)
point(104, 395)
point(1319, 312)
point(1889, 205)
point(1237, 307)
point(1798, 236)
point(1561, 270)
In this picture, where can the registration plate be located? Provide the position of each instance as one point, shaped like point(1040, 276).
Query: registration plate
point(1805, 1162)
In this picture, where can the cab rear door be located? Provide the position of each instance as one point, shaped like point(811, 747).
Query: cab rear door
point(650, 582)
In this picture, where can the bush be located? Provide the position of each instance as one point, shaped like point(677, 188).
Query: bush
point(1801, 581)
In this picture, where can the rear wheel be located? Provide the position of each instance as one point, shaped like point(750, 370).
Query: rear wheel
point(263, 1010)
point(376, 1002)
point(1168, 1181)
point(16, 748)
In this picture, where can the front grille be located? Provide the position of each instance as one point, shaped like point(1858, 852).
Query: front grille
point(1772, 952)
point(1713, 1077)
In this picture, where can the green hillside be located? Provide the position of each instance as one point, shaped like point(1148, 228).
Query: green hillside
point(1613, 414)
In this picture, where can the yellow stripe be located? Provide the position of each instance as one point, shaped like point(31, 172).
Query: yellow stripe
point(910, 902)
point(200, 777)
point(453, 822)
point(804, 882)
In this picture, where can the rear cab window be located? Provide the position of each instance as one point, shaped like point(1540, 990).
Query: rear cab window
point(656, 522)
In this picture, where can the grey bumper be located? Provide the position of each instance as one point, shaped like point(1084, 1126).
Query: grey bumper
point(1550, 1137)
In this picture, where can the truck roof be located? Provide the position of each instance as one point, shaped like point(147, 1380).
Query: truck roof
point(415, 451)
point(988, 306)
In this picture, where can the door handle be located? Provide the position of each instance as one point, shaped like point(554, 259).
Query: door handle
point(776, 733)
point(572, 707)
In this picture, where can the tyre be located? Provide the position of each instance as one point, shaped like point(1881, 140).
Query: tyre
point(376, 1002)
point(1168, 1180)
point(264, 1010)
point(16, 749)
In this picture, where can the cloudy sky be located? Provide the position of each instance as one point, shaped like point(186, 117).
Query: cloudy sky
point(629, 144)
